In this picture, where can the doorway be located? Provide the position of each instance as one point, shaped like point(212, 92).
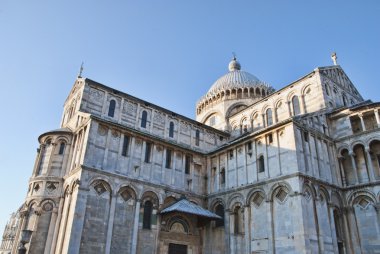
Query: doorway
point(177, 248)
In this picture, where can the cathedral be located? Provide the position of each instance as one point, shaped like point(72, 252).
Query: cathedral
point(259, 170)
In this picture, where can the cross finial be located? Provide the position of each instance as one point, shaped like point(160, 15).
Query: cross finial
point(234, 55)
point(334, 57)
point(80, 71)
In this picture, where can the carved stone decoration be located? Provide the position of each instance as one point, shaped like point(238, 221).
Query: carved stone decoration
point(47, 207)
point(258, 199)
point(159, 118)
point(307, 195)
point(125, 195)
point(102, 130)
point(184, 127)
point(177, 227)
point(138, 142)
point(36, 187)
point(363, 203)
point(96, 95)
point(210, 138)
point(51, 186)
point(281, 195)
point(130, 108)
point(115, 134)
point(100, 188)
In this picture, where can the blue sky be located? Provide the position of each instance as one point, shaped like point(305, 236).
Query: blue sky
point(166, 52)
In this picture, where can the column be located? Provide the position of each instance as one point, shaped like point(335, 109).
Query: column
point(303, 106)
point(104, 165)
point(130, 159)
point(351, 221)
point(264, 120)
point(247, 229)
point(173, 166)
point(341, 168)
point(377, 117)
point(121, 109)
point(362, 121)
point(230, 247)
point(271, 245)
point(135, 227)
point(23, 215)
point(57, 224)
point(62, 230)
point(354, 166)
point(330, 210)
point(110, 223)
point(371, 173)
point(51, 230)
point(289, 109)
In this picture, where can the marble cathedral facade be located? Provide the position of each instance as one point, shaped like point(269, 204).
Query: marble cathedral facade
point(295, 170)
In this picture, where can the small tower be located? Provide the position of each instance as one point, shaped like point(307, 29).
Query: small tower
point(334, 57)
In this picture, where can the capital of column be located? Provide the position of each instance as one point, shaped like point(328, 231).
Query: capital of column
point(331, 205)
point(24, 213)
point(38, 211)
point(348, 209)
point(367, 149)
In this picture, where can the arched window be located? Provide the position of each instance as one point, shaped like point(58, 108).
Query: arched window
point(237, 218)
point(197, 137)
point(111, 108)
point(344, 100)
point(219, 210)
point(61, 148)
point(269, 117)
point(144, 117)
point(171, 129)
point(147, 217)
point(260, 164)
point(338, 231)
point(168, 162)
point(296, 105)
point(222, 176)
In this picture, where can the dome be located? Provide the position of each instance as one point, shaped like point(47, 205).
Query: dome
point(235, 79)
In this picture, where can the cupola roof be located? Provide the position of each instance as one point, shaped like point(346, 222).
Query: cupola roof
point(235, 79)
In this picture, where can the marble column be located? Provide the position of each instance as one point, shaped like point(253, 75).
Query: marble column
point(24, 218)
point(110, 223)
point(351, 221)
point(51, 230)
point(247, 231)
point(376, 111)
point(341, 168)
point(57, 224)
point(371, 173)
point(362, 121)
point(135, 227)
point(334, 237)
point(351, 154)
point(227, 231)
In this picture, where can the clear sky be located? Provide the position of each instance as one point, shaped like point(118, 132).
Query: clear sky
point(166, 52)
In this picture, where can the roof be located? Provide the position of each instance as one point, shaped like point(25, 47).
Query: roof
point(56, 131)
point(185, 206)
point(235, 79)
point(167, 111)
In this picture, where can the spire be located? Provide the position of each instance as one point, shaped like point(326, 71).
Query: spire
point(334, 57)
point(234, 65)
point(80, 71)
